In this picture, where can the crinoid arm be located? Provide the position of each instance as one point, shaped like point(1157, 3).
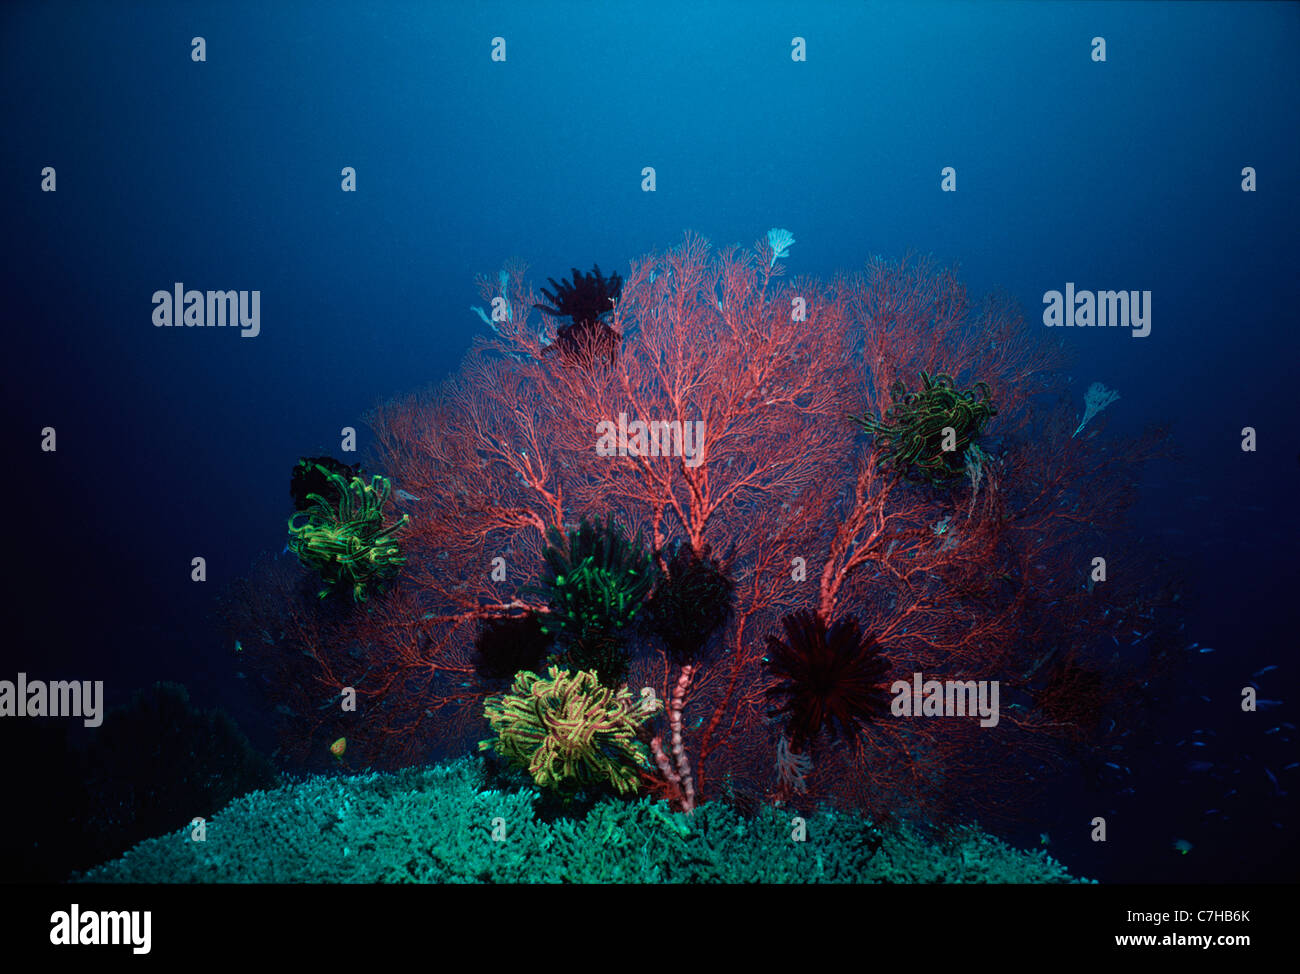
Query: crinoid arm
point(825, 678)
point(587, 298)
point(586, 301)
point(596, 583)
point(344, 535)
point(691, 602)
point(568, 730)
point(925, 434)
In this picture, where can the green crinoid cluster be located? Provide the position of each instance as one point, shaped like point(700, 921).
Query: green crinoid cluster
point(596, 582)
point(568, 730)
point(344, 536)
point(910, 437)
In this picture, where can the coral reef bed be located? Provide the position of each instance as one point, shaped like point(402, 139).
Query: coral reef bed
point(437, 824)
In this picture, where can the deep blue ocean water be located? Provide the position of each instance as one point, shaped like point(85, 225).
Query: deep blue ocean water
point(225, 173)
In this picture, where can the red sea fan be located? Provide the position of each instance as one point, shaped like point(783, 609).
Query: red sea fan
point(977, 580)
point(829, 679)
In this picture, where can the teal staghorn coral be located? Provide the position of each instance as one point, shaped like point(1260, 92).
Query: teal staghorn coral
point(345, 536)
point(910, 436)
point(441, 824)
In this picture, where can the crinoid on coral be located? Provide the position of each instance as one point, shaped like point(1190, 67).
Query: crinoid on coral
point(311, 476)
point(913, 436)
point(505, 646)
point(586, 301)
point(690, 603)
point(568, 731)
point(596, 584)
point(825, 679)
point(344, 536)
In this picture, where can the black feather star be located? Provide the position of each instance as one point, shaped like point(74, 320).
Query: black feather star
point(586, 301)
point(690, 603)
point(826, 678)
